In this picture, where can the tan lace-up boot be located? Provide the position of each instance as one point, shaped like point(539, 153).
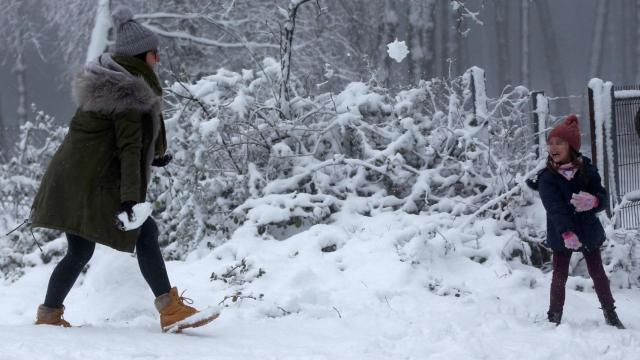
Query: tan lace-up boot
point(51, 316)
point(172, 310)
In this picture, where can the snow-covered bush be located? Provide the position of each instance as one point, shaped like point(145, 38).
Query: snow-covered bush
point(19, 181)
point(426, 149)
point(441, 150)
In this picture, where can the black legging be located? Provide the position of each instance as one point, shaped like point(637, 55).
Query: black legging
point(80, 251)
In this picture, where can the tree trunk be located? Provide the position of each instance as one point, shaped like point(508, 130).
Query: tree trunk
point(428, 39)
point(454, 42)
point(380, 48)
point(390, 21)
point(597, 46)
point(3, 136)
point(441, 30)
point(286, 50)
point(614, 38)
point(552, 55)
point(627, 38)
point(20, 70)
point(502, 37)
point(413, 29)
point(637, 54)
point(419, 10)
point(100, 32)
point(525, 38)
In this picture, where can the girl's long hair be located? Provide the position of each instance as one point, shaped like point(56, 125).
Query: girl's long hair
point(575, 158)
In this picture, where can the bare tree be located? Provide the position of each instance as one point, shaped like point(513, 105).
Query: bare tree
point(20, 69)
point(414, 29)
point(614, 41)
point(627, 27)
point(390, 25)
point(556, 73)
point(637, 43)
point(70, 21)
point(502, 35)
point(442, 28)
point(19, 30)
point(358, 37)
point(454, 42)
point(428, 38)
point(191, 28)
point(454, 16)
point(525, 40)
point(421, 37)
point(335, 42)
point(286, 50)
point(100, 32)
point(597, 45)
point(3, 135)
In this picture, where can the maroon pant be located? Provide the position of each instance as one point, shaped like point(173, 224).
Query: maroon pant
point(561, 273)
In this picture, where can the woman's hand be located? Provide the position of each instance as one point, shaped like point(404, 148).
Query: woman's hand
point(127, 207)
point(162, 161)
point(583, 201)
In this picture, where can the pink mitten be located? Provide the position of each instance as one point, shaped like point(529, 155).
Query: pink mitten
point(584, 201)
point(571, 240)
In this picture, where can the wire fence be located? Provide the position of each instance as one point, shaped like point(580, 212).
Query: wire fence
point(626, 153)
point(617, 132)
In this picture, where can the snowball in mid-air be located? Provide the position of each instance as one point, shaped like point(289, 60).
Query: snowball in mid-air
point(397, 50)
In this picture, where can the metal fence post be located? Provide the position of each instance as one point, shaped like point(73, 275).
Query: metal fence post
point(538, 122)
point(592, 126)
point(614, 147)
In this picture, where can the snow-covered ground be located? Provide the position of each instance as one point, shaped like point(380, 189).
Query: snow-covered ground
point(396, 287)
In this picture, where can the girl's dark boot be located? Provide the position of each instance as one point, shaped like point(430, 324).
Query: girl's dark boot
point(611, 317)
point(554, 317)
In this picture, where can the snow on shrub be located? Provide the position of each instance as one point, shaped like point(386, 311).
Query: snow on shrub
point(241, 167)
point(19, 181)
point(422, 150)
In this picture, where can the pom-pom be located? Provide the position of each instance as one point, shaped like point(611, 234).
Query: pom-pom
point(121, 15)
point(571, 119)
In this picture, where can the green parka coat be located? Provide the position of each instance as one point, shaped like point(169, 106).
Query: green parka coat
point(106, 156)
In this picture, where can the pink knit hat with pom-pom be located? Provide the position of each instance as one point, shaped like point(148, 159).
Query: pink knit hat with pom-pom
point(569, 131)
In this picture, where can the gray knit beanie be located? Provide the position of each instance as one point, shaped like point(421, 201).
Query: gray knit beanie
point(131, 37)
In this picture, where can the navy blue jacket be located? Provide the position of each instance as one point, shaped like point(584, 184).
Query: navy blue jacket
point(555, 191)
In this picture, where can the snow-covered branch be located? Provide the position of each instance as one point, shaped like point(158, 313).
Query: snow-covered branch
point(206, 41)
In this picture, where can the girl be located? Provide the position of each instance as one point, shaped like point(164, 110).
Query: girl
point(103, 167)
point(572, 194)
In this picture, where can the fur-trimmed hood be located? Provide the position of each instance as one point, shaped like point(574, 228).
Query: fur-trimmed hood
point(105, 86)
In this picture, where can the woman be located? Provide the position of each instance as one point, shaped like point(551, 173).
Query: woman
point(102, 168)
point(572, 194)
